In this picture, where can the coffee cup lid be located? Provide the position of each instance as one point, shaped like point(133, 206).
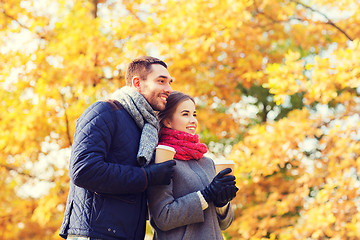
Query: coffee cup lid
point(166, 148)
point(224, 162)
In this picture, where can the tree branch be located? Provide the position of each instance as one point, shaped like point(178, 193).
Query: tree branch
point(10, 168)
point(258, 11)
point(275, 20)
point(95, 3)
point(126, 4)
point(25, 174)
point(329, 21)
point(66, 120)
point(3, 11)
point(14, 19)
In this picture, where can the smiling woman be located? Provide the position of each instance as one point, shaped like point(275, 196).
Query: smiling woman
point(177, 210)
point(184, 117)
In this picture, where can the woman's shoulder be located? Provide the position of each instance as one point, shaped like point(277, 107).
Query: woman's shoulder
point(207, 159)
point(207, 162)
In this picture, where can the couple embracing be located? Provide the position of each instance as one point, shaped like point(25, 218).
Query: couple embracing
point(114, 180)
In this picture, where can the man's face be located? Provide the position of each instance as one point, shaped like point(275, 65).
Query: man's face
point(156, 88)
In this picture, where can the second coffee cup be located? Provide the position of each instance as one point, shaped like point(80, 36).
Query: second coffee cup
point(164, 153)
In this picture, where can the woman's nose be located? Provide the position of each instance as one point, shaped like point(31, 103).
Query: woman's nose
point(193, 119)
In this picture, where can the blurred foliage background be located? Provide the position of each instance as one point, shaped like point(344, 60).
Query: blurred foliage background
point(276, 84)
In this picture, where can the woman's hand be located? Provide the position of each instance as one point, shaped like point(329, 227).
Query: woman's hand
point(227, 194)
point(221, 189)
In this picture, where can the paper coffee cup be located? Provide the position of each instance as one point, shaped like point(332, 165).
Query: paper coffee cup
point(164, 153)
point(222, 164)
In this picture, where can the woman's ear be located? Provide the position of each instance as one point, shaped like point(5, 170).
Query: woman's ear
point(136, 83)
point(167, 123)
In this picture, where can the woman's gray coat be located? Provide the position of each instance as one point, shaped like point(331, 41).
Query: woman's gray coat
point(175, 209)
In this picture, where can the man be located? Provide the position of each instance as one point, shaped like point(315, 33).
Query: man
point(113, 145)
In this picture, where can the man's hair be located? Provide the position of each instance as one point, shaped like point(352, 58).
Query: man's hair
point(141, 67)
point(172, 102)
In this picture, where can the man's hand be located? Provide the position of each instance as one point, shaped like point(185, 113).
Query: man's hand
point(160, 173)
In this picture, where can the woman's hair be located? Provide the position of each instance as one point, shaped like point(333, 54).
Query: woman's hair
point(173, 101)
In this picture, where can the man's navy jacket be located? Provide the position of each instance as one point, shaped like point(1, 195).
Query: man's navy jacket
point(107, 189)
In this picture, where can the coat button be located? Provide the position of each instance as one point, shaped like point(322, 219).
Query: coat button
point(109, 229)
point(114, 231)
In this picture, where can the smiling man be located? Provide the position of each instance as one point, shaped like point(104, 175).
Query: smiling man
point(156, 88)
point(113, 145)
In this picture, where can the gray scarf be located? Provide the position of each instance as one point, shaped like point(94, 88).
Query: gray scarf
point(143, 114)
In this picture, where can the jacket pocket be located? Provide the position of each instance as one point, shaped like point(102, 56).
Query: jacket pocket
point(65, 225)
point(115, 216)
point(96, 207)
point(129, 198)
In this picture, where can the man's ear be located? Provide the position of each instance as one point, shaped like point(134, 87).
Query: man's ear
point(167, 123)
point(136, 83)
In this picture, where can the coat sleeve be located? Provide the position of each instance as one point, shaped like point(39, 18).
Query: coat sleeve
point(226, 219)
point(88, 168)
point(169, 212)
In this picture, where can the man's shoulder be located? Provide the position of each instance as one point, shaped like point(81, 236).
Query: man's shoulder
point(114, 104)
point(96, 109)
point(100, 111)
point(106, 111)
point(103, 107)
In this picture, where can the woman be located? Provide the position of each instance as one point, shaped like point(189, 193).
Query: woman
point(196, 203)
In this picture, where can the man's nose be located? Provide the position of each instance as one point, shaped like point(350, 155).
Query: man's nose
point(168, 88)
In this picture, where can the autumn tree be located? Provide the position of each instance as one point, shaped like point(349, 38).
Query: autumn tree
point(57, 58)
point(277, 87)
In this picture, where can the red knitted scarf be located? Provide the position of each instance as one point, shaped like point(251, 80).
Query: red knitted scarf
point(187, 145)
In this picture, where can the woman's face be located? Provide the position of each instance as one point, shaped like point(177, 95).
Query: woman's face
point(184, 118)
